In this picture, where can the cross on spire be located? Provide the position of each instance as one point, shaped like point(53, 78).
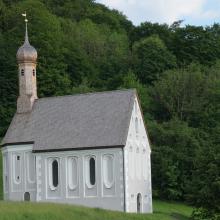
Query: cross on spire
point(26, 30)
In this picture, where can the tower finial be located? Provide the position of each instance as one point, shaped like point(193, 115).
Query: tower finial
point(26, 30)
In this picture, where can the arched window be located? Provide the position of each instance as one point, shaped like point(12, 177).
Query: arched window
point(17, 169)
point(33, 72)
point(108, 170)
point(138, 163)
point(27, 196)
point(92, 171)
point(136, 126)
point(55, 173)
point(73, 172)
point(30, 161)
point(139, 203)
point(145, 168)
point(5, 165)
point(131, 162)
point(135, 107)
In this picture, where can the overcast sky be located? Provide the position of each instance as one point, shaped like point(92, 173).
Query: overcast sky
point(195, 12)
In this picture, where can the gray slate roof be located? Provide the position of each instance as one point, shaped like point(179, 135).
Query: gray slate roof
point(77, 121)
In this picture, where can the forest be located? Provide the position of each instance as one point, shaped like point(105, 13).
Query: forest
point(83, 46)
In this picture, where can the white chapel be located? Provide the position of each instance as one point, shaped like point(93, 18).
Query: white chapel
point(87, 149)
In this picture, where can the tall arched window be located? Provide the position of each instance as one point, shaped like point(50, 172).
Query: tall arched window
point(145, 158)
point(5, 165)
point(17, 168)
point(136, 125)
point(108, 170)
point(135, 107)
point(130, 162)
point(55, 173)
point(30, 160)
point(73, 172)
point(138, 163)
point(92, 171)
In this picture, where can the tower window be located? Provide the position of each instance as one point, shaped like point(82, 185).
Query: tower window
point(33, 72)
point(18, 157)
point(22, 72)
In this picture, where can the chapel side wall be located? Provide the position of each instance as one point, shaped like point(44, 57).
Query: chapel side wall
point(18, 172)
point(101, 195)
point(138, 164)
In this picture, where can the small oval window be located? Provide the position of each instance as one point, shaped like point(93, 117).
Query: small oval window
point(55, 173)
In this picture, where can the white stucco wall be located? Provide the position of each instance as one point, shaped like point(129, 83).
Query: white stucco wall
point(137, 164)
point(102, 194)
point(18, 172)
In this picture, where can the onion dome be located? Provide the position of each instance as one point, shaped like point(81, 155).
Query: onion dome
point(26, 53)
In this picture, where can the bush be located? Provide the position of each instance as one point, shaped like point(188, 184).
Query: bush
point(204, 214)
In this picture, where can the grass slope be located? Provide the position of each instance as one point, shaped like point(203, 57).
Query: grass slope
point(44, 211)
point(1, 184)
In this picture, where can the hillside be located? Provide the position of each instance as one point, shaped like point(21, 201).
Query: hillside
point(1, 183)
point(17, 211)
point(84, 46)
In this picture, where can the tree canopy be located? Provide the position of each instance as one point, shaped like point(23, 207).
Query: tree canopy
point(84, 46)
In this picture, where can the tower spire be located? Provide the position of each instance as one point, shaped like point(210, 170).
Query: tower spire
point(26, 28)
point(27, 61)
point(26, 34)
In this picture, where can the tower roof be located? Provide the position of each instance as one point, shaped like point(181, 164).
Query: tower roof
point(26, 53)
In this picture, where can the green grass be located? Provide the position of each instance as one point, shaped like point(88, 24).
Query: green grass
point(1, 184)
point(44, 211)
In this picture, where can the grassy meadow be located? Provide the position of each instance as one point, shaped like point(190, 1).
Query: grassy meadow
point(45, 211)
point(1, 183)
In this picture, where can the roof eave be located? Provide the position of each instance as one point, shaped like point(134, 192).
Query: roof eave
point(16, 143)
point(77, 149)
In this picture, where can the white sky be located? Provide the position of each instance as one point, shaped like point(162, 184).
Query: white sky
point(197, 12)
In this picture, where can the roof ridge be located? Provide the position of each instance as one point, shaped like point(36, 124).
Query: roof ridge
point(89, 93)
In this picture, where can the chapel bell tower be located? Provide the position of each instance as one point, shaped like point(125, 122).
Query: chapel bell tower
point(27, 61)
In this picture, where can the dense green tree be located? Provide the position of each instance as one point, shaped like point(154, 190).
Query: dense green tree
point(151, 59)
point(147, 29)
point(173, 153)
point(84, 46)
point(185, 105)
point(179, 94)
